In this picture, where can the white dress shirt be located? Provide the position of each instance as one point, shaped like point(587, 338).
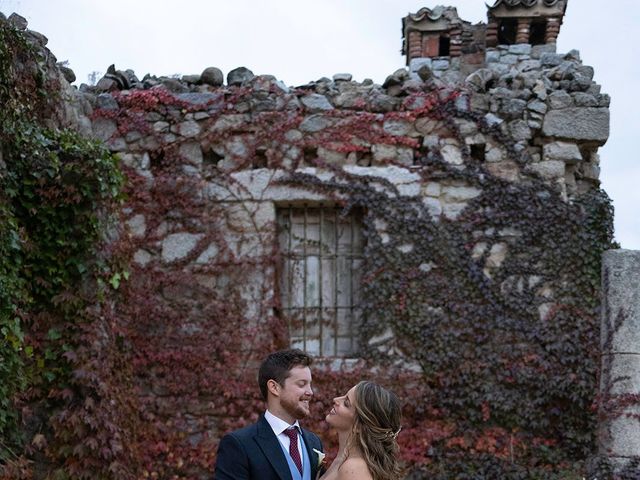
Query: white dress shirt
point(279, 426)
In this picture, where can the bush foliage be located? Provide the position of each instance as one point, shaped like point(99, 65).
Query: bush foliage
point(56, 192)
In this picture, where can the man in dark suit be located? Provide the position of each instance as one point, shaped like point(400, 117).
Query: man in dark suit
point(276, 447)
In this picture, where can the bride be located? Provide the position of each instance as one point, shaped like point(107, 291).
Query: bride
point(367, 420)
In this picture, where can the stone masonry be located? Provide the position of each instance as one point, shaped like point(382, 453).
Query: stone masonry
point(545, 100)
point(620, 380)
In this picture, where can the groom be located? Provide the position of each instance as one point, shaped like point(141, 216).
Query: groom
point(276, 447)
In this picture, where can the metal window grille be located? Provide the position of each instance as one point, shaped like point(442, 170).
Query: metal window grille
point(320, 275)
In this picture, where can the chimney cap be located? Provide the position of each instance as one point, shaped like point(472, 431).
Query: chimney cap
point(524, 3)
point(527, 8)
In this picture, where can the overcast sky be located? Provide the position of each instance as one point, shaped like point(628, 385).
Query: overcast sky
point(302, 40)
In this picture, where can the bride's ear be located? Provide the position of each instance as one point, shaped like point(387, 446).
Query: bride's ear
point(273, 387)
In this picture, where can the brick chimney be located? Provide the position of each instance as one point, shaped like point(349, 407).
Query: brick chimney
point(432, 33)
point(535, 22)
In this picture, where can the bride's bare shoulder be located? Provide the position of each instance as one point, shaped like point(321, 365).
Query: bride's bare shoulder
point(354, 468)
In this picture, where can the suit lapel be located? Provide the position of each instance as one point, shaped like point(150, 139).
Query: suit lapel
point(270, 446)
point(313, 457)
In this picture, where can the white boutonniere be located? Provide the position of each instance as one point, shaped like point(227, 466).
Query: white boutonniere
point(320, 455)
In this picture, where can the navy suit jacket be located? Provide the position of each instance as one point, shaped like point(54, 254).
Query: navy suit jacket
point(255, 453)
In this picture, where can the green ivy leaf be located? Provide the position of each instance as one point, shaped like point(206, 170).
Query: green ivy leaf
point(54, 334)
point(115, 280)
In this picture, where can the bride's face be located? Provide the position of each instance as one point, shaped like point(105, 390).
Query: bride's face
point(343, 413)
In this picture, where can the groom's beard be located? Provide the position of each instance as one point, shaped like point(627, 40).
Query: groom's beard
point(296, 408)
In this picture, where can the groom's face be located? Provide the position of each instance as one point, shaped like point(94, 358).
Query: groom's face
point(296, 392)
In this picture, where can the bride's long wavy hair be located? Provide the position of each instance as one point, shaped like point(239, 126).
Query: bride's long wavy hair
point(375, 430)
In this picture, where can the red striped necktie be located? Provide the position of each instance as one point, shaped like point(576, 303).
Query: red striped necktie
point(292, 433)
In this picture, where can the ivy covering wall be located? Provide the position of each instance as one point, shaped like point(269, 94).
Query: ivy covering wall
point(131, 341)
point(56, 191)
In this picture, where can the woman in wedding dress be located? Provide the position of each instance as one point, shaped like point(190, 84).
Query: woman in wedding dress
point(367, 420)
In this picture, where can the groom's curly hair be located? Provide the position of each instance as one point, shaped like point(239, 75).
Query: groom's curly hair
point(277, 366)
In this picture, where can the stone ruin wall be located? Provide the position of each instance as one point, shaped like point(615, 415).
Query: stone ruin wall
point(546, 101)
point(619, 435)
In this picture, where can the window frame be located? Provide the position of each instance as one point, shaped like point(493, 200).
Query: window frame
point(354, 256)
